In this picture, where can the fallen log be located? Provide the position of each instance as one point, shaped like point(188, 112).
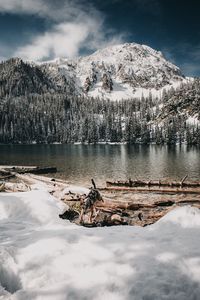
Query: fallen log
point(182, 181)
point(136, 206)
point(2, 187)
point(109, 210)
point(4, 172)
point(36, 170)
point(5, 177)
point(165, 203)
point(14, 187)
point(189, 201)
point(153, 190)
point(159, 183)
point(32, 170)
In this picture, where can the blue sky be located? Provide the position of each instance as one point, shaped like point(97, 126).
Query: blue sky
point(45, 29)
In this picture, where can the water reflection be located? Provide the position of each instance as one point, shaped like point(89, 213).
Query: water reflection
point(79, 163)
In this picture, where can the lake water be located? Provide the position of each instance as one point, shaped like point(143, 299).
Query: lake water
point(80, 163)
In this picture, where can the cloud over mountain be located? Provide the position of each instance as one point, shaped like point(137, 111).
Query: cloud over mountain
point(73, 25)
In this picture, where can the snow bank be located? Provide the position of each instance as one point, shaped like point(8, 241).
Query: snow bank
point(186, 216)
point(193, 121)
point(44, 257)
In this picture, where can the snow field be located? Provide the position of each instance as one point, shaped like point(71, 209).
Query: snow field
point(44, 257)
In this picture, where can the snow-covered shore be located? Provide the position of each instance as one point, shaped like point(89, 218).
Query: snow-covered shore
point(45, 257)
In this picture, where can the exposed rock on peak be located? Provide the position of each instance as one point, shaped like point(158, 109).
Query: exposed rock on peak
point(107, 84)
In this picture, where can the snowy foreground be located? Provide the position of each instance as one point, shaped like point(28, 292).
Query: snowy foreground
point(44, 257)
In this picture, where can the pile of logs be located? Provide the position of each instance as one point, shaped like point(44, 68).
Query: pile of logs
point(122, 206)
point(117, 212)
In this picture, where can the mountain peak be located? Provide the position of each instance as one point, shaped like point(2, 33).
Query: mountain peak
point(128, 51)
point(120, 72)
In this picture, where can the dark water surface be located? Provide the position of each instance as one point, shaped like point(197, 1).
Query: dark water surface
point(80, 163)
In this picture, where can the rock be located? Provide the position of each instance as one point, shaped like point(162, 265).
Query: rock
point(116, 218)
point(164, 203)
point(70, 215)
point(140, 216)
point(107, 83)
point(87, 85)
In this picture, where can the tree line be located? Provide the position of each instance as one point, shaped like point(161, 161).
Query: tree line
point(64, 118)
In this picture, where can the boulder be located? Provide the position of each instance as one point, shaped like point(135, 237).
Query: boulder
point(116, 219)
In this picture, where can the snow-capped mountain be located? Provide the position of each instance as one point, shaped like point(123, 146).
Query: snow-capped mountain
point(47, 102)
point(119, 72)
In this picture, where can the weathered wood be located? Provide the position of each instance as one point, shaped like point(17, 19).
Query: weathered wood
point(165, 203)
point(142, 183)
point(5, 177)
point(2, 187)
point(31, 170)
point(109, 210)
point(153, 190)
point(4, 172)
point(37, 170)
point(182, 181)
point(93, 183)
point(189, 201)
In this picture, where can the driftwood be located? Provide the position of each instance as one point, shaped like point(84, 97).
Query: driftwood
point(5, 177)
point(182, 181)
point(117, 212)
point(35, 170)
point(136, 208)
point(2, 187)
point(93, 183)
point(27, 169)
point(153, 183)
point(153, 190)
point(14, 187)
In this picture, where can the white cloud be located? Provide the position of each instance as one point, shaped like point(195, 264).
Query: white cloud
point(63, 40)
point(56, 10)
point(66, 39)
point(22, 6)
point(74, 25)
